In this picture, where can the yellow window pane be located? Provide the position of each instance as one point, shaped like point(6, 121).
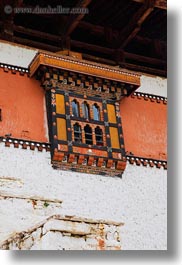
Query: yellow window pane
point(61, 129)
point(111, 113)
point(60, 104)
point(114, 137)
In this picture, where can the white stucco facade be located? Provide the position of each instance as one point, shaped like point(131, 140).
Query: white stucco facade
point(153, 85)
point(31, 190)
point(16, 55)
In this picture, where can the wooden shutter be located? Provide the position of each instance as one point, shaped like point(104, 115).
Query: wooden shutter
point(60, 104)
point(111, 113)
point(114, 137)
point(61, 129)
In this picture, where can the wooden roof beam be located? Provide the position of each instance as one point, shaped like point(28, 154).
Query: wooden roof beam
point(91, 27)
point(92, 47)
point(36, 44)
point(18, 3)
point(100, 30)
point(134, 25)
point(144, 59)
point(98, 59)
point(36, 33)
point(58, 39)
point(121, 54)
point(107, 32)
point(74, 20)
point(161, 4)
point(129, 66)
point(144, 69)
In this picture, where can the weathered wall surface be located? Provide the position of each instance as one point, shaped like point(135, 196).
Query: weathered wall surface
point(16, 54)
point(153, 85)
point(67, 233)
point(144, 127)
point(22, 105)
point(144, 120)
point(30, 191)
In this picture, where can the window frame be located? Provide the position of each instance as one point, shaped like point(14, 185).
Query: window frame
point(77, 108)
point(79, 132)
point(88, 134)
point(98, 112)
point(99, 142)
point(85, 110)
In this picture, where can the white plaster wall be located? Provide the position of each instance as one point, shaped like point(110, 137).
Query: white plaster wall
point(138, 199)
point(154, 85)
point(16, 55)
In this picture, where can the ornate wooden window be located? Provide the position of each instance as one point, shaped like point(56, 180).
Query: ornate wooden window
point(85, 110)
point(84, 121)
point(77, 133)
point(97, 90)
point(85, 133)
point(88, 135)
point(99, 136)
point(75, 108)
point(96, 112)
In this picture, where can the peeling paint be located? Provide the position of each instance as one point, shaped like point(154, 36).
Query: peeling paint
point(65, 233)
point(10, 181)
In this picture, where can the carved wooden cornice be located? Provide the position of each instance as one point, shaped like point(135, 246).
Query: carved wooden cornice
point(83, 66)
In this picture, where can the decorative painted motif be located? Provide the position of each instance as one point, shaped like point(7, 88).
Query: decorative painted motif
point(53, 99)
point(25, 144)
point(152, 98)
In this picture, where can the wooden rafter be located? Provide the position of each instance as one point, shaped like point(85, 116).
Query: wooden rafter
point(134, 67)
point(36, 33)
point(144, 59)
point(58, 42)
point(144, 69)
point(91, 27)
point(112, 41)
point(162, 4)
point(129, 32)
point(91, 47)
point(146, 41)
point(122, 54)
point(18, 3)
point(36, 44)
point(83, 45)
point(98, 59)
point(159, 47)
point(102, 31)
point(74, 20)
point(96, 29)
